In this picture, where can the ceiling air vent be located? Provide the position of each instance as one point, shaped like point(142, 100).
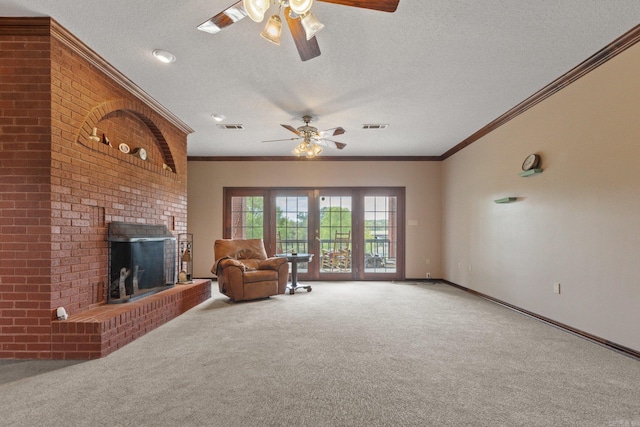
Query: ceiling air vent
point(375, 127)
point(231, 127)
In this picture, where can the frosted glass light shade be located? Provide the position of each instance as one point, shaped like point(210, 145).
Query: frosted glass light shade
point(256, 9)
point(300, 6)
point(272, 30)
point(313, 150)
point(311, 25)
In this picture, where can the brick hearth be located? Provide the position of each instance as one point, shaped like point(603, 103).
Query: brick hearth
point(99, 331)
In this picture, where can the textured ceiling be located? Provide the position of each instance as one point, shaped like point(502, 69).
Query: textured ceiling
point(435, 71)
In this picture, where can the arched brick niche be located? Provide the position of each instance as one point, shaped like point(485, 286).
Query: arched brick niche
point(122, 121)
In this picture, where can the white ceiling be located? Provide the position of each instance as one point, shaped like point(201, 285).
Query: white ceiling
point(436, 71)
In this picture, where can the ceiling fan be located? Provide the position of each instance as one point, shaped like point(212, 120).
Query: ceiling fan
point(312, 139)
point(302, 24)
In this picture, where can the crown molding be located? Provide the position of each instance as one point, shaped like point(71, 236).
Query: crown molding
point(315, 159)
point(46, 26)
point(613, 49)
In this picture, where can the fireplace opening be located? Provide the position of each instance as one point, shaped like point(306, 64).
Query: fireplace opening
point(142, 261)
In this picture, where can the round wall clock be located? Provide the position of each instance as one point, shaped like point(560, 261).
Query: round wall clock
point(531, 162)
point(124, 148)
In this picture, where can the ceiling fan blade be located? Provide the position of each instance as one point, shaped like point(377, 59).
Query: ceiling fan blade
point(280, 140)
point(332, 132)
point(381, 5)
point(308, 49)
point(330, 143)
point(291, 128)
point(230, 15)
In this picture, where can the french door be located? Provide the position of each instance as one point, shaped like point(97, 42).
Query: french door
point(353, 233)
point(290, 221)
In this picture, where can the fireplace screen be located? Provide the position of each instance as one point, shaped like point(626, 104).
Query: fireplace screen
point(141, 261)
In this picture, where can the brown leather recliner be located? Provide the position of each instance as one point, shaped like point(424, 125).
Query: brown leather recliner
point(245, 272)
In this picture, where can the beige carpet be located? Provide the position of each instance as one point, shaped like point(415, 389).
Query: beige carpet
point(346, 354)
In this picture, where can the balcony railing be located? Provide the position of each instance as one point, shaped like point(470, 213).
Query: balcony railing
point(378, 255)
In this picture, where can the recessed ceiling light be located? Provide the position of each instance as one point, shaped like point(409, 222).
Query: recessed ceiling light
point(218, 117)
point(164, 56)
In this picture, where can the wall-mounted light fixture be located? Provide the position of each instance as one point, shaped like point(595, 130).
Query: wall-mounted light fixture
point(506, 200)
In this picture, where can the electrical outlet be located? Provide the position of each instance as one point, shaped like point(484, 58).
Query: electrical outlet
point(459, 265)
point(556, 288)
point(428, 261)
point(469, 267)
point(428, 275)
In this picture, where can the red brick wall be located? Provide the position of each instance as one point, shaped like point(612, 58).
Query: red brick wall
point(59, 189)
point(25, 207)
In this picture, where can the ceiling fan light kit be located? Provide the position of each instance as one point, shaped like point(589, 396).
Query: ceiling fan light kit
point(256, 9)
point(308, 149)
point(302, 24)
point(272, 30)
point(300, 6)
point(311, 25)
point(312, 139)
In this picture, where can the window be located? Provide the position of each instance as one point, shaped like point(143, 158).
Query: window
point(247, 217)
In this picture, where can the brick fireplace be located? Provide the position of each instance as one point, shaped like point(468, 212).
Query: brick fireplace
point(60, 189)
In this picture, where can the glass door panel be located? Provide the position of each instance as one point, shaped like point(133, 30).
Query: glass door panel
point(380, 234)
point(292, 226)
point(335, 234)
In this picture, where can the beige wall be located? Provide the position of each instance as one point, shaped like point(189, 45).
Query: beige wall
point(577, 223)
point(422, 181)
